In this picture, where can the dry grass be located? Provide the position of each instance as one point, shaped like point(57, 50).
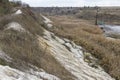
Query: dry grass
point(23, 47)
point(91, 38)
point(20, 46)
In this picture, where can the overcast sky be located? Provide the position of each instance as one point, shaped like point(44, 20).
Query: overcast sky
point(77, 3)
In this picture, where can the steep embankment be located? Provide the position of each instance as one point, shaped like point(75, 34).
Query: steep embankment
point(72, 57)
point(30, 52)
point(20, 50)
point(91, 38)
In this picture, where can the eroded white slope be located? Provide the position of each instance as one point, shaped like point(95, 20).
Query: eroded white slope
point(47, 21)
point(7, 73)
point(71, 57)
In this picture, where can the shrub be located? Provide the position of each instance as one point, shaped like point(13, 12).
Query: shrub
point(4, 7)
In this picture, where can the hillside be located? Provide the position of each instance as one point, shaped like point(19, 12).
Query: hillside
point(30, 50)
point(103, 42)
point(19, 44)
point(92, 39)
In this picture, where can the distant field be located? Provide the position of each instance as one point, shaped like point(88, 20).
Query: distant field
point(90, 37)
point(107, 15)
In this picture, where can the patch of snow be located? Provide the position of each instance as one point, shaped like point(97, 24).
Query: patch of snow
point(71, 57)
point(15, 26)
point(7, 73)
point(18, 12)
point(5, 56)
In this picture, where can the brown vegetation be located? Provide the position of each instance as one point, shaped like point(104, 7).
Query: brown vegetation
point(23, 47)
point(4, 7)
point(91, 38)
